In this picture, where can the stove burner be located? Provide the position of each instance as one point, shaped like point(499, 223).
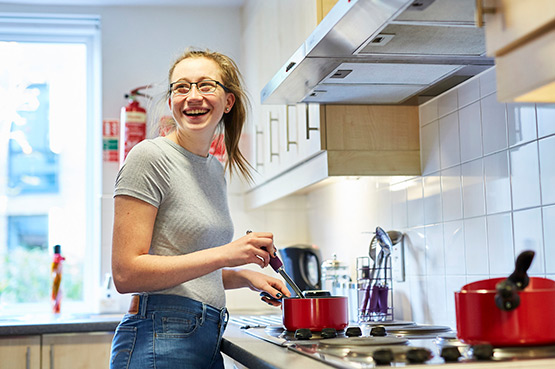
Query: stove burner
point(417, 330)
point(363, 341)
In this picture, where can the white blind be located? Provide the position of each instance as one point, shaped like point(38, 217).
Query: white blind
point(48, 25)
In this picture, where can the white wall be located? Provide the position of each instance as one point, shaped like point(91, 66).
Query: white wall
point(486, 194)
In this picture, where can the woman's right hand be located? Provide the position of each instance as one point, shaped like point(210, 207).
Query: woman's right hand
point(253, 248)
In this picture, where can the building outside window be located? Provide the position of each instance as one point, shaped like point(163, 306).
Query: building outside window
point(50, 159)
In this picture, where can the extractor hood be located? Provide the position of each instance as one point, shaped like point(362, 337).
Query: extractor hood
point(383, 52)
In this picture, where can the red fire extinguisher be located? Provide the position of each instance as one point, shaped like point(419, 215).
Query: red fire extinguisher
point(133, 123)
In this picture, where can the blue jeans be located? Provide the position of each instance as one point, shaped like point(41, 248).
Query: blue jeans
point(169, 332)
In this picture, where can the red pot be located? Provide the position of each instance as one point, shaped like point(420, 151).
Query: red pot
point(315, 313)
point(479, 320)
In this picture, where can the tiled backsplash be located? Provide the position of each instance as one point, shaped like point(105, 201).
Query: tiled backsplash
point(486, 193)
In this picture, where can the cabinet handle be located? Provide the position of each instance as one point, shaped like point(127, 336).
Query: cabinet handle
point(259, 163)
point(51, 356)
point(308, 127)
point(28, 358)
point(288, 139)
point(272, 153)
point(480, 11)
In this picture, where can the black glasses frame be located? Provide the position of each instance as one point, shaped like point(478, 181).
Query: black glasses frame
point(218, 83)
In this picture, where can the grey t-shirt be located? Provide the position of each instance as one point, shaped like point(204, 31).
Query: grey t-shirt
point(190, 194)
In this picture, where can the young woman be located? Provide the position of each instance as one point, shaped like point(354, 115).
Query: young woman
point(172, 238)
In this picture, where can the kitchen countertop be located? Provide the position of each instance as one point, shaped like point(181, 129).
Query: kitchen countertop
point(32, 324)
point(256, 353)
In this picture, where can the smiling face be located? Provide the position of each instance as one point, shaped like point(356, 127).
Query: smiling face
point(197, 115)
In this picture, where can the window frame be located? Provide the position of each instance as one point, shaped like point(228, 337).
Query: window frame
point(85, 29)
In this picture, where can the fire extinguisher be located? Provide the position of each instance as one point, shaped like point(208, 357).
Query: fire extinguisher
point(133, 123)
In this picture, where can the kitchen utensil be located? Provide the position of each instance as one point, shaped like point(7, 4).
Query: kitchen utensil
point(479, 319)
point(277, 266)
point(372, 254)
point(315, 313)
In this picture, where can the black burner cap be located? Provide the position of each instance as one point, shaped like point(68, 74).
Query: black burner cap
point(418, 355)
point(329, 333)
point(383, 356)
point(353, 332)
point(378, 331)
point(450, 353)
point(482, 352)
point(303, 334)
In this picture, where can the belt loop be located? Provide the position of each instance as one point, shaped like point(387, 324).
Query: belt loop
point(203, 314)
point(144, 303)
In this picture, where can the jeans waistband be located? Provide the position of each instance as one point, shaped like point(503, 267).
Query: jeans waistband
point(144, 303)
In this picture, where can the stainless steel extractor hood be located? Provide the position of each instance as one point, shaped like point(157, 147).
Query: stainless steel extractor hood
point(383, 52)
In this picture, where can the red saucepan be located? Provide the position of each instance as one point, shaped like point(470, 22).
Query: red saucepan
point(315, 313)
point(514, 311)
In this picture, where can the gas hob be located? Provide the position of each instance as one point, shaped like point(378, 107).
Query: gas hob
point(404, 344)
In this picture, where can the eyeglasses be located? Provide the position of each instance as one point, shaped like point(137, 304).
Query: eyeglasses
point(205, 87)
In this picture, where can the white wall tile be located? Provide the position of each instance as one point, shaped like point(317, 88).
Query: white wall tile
point(528, 236)
point(429, 147)
point(447, 102)
point(415, 203)
point(449, 140)
point(494, 124)
point(498, 185)
point(470, 123)
point(488, 82)
point(436, 300)
point(399, 205)
point(435, 251)
point(500, 244)
point(547, 169)
point(521, 123)
point(469, 92)
point(546, 119)
point(420, 300)
point(549, 238)
point(451, 193)
point(452, 284)
point(432, 199)
point(525, 180)
point(415, 251)
point(476, 248)
point(428, 112)
point(473, 188)
point(453, 238)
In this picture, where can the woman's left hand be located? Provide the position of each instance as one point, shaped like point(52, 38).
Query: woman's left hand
point(258, 282)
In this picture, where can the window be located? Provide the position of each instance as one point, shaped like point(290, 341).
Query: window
point(50, 159)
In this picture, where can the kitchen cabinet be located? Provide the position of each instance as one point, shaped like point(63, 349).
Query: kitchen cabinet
point(339, 140)
point(20, 352)
point(521, 37)
point(323, 7)
point(76, 350)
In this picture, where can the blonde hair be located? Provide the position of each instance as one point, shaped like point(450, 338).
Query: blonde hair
point(232, 122)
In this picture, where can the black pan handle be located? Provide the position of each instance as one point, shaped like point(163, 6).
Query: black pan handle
point(506, 297)
point(519, 276)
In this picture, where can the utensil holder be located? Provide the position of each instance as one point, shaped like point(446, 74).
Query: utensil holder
point(375, 290)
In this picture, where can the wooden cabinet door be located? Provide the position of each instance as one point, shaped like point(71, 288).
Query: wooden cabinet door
point(515, 22)
point(76, 350)
point(21, 352)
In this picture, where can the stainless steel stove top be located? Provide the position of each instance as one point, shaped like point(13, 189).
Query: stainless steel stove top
point(404, 344)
